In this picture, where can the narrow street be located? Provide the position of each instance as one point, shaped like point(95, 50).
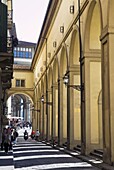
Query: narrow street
point(32, 155)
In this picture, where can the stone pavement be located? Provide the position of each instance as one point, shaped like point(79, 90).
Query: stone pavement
point(7, 161)
point(28, 155)
point(93, 161)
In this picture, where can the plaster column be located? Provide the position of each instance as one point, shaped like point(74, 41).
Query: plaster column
point(70, 117)
point(40, 122)
point(107, 40)
point(55, 112)
point(93, 116)
point(73, 110)
point(49, 105)
point(33, 120)
point(60, 115)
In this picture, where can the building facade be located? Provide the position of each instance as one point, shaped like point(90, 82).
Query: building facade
point(6, 56)
point(76, 41)
point(23, 53)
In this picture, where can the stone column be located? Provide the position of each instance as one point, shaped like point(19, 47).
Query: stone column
point(107, 40)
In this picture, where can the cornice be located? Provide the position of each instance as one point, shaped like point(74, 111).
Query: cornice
point(51, 10)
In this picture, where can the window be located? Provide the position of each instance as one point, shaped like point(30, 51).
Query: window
point(14, 53)
point(30, 49)
point(20, 83)
point(17, 83)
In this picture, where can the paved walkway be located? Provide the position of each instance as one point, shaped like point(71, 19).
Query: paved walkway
point(32, 155)
point(93, 161)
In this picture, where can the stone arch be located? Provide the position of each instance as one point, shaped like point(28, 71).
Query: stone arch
point(21, 107)
point(93, 27)
point(43, 86)
point(74, 56)
point(92, 49)
point(55, 70)
point(50, 77)
point(74, 53)
point(63, 61)
point(24, 93)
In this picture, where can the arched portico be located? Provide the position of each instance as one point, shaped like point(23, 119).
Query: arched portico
point(92, 74)
point(73, 96)
point(26, 93)
point(19, 104)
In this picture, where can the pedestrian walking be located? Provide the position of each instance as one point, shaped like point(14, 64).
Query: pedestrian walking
point(6, 141)
point(33, 134)
point(37, 134)
point(15, 135)
point(3, 138)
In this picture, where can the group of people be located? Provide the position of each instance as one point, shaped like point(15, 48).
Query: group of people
point(9, 137)
point(35, 135)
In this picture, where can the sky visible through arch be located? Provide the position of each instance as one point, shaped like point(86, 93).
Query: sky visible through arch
point(28, 15)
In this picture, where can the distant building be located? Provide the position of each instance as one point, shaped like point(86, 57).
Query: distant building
point(23, 53)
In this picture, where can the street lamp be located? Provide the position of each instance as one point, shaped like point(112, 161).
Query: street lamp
point(66, 81)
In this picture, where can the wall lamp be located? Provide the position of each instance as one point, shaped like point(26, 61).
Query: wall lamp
point(42, 100)
point(76, 87)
